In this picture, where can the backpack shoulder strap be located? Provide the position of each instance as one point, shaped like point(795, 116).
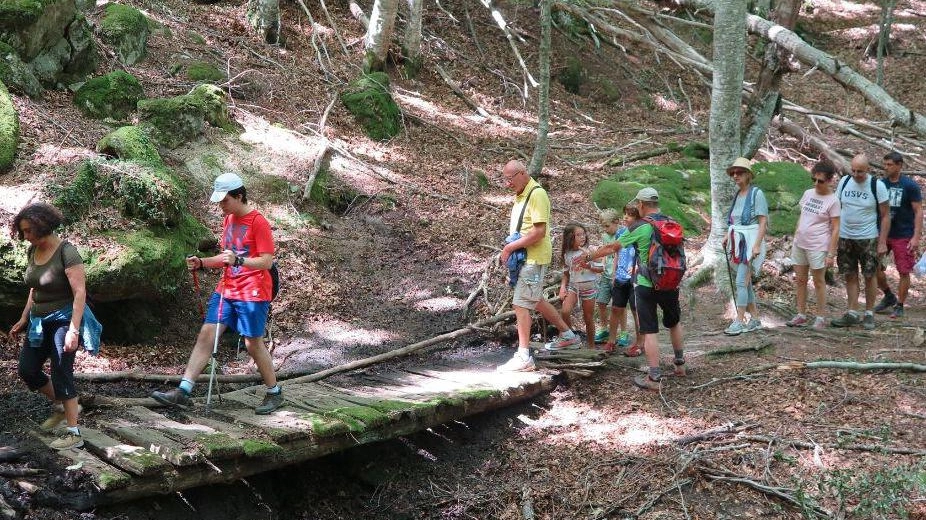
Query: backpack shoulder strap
point(523, 208)
point(841, 186)
point(874, 190)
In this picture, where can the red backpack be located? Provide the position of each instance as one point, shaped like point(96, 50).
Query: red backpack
point(666, 264)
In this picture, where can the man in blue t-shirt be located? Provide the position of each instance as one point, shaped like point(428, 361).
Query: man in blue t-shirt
point(904, 238)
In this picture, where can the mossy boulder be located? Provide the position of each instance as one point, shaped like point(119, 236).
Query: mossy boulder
point(150, 193)
point(84, 53)
point(48, 66)
point(30, 26)
point(214, 103)
point(16, 75)
point(684, 191)
point(172, 121)
point(9, 129)
point(203, 71)
point(369, 100)
point(114, 95)
point(126, 29)
point(130, 143)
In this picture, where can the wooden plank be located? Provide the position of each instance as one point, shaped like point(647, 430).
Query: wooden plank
point(104, 476)
point(134, 459)
point(412, 383)
point(210, 442)
point(174, 449)
point(252, 439)
point(280, 426)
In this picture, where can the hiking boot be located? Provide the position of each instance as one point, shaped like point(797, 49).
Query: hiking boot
point(56, 418)
point(799, 320)
point(271, 402)
point(868, 322)
point(174, 397)
point(623, 339)
point(518, 364)
point(819, 323)
point(735, 329)
point(643, 381)
point(601, 336)
point(847, 320)
point(897, 313)
point(884, 306)
point(753, 324)
point(568, 340)
point(67, 441)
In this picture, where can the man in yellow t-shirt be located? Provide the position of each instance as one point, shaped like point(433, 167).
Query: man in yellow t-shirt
point(528, 291)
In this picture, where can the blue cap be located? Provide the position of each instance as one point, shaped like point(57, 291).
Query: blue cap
point(223, 184)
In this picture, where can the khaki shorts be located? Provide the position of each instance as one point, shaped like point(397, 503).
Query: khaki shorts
point(529, 289)
point(814, 259)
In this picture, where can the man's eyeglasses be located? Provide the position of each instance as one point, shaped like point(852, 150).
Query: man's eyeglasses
point(859, 171)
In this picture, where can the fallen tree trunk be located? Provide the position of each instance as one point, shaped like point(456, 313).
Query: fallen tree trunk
point(842, 73)
point(787, 127)
point(854, 365)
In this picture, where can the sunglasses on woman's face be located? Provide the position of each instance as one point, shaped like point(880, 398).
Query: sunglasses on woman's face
point(819, 181)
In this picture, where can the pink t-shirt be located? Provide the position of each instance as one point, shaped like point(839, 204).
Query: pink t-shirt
point(815, 228)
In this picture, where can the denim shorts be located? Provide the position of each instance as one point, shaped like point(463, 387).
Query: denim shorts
point(604, 289)
point(529, 289)
point(248, 318)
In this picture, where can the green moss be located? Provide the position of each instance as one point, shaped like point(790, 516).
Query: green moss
point(9, 129)
point(16, 14)
point(261, 448)
point(172, 121)
point(126, 28)
point(130, 143)
point(74, 199)
point(323, 426)
point(212, 99)
point(219, 444)
point(112, 95)
point(573, 75)
point(196, 38)
point(369, 100)
point(480, 394)
point(684, 191)
point(111, 480)
point(204, 71)
point(369, 417)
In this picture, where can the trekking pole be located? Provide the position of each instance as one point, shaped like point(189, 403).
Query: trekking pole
point(215, 344)
point(726, 255)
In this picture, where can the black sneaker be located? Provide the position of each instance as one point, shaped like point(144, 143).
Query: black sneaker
point(175, 397)
point(271, 402)
point(886, 304)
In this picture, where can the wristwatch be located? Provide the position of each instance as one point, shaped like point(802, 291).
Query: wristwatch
point(239, 261)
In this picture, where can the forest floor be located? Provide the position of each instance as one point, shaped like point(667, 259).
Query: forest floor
point(393, 265)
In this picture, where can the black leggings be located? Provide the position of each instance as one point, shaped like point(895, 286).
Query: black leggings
point(32, 359)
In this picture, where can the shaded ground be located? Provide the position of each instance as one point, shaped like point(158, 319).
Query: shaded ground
point(387, 271)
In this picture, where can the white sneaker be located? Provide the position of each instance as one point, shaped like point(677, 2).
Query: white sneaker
point(753, 324)
point(518, 364)
point(568, 340)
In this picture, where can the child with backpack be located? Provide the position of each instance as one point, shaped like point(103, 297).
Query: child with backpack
point(625, 271)
point(580, 283)
point(610, 222)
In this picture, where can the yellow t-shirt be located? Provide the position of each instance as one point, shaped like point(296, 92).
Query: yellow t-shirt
point(538, 210)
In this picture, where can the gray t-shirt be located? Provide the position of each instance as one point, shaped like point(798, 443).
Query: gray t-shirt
point(51, 289)
point(859, 217)
point(759, 207)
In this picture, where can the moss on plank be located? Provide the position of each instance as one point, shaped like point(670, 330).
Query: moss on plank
point(108, 480)
point(261, 448)
point(219, 444)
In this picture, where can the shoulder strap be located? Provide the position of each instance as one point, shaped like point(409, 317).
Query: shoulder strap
point(749, 208)
point(523, 208)
point(874, 191)
point(842, 186)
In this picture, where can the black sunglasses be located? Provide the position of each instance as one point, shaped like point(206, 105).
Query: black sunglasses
point(819, 181)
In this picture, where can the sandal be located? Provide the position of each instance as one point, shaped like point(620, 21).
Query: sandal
point(634, 351)
point(607, 347)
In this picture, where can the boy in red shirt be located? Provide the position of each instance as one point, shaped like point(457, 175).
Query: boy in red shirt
point(244, 293)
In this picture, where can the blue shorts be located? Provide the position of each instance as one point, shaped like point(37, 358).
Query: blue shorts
point(248, 318)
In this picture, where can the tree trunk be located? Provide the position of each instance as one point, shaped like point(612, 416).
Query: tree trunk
point(412, 46)
point(765, 104)
point(884, 36)
point(842, 73)
point(726, 99)
point(543, 110)
point(379, 34)
point(264, 17)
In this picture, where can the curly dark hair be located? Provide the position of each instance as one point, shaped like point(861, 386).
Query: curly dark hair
point(44, 218)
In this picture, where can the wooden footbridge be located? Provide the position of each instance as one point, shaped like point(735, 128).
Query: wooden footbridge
point(142, 452)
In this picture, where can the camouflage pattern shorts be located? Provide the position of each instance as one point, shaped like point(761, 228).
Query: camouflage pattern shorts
point(853, 254)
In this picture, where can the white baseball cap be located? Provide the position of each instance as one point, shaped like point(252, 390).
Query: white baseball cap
point(647, 195)
point(223, 184)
